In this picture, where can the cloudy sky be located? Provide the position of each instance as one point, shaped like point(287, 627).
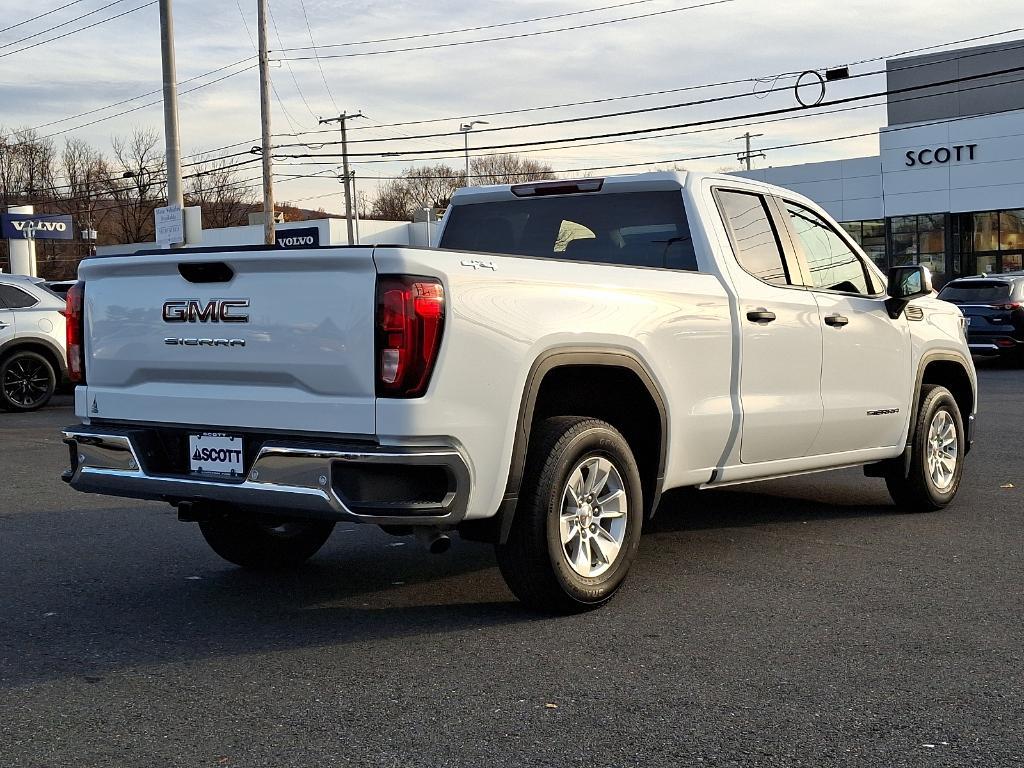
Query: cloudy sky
point(42, 84)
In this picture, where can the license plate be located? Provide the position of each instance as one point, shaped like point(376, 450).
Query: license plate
point(215, 454)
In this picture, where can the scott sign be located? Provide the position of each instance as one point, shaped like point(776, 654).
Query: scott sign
point(22, 226)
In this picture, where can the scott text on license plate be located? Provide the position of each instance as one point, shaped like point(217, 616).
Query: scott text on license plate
point(215, 454)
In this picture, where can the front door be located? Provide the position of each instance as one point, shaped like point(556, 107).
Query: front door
point(866, 356)
point(780, 336)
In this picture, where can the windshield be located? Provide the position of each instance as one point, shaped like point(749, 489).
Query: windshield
point(646, 229)
point(976, 292)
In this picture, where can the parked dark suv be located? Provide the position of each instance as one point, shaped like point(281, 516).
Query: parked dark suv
point(994, 308)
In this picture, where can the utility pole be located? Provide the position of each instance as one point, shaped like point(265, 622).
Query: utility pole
point(747, 156)
point(341, 120)
point(465, 128)
point(175, 194)
point(268, 164)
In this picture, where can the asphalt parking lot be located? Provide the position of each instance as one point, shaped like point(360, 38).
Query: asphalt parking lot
point(792, 623)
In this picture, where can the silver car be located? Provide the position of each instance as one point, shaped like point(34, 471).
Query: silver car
point(32, 344)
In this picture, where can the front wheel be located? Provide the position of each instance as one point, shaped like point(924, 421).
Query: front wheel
point(265, 544)
point(936, 455)
point(577, 526)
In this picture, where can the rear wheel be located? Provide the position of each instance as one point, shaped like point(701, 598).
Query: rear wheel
point(27, 381)
point(265, 543)
point(576, 529)
point(936, 455)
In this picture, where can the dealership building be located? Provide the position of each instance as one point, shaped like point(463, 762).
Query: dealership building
point(947, 189)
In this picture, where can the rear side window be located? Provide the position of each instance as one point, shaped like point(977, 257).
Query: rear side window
point(642, 229)
point(832, 263)
point(753, 236)
point(15, 298)
point(976, 292)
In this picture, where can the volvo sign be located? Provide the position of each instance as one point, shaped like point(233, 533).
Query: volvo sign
point(300, 237)
point(30, 226)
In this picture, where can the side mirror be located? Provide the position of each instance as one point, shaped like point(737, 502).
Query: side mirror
point(906, 283)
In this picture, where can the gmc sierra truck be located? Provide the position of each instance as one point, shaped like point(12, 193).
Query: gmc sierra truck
point(569, 352)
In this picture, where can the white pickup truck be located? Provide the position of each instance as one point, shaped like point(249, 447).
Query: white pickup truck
point(572, 350)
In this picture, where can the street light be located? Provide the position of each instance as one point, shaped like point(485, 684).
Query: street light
point(466, 128)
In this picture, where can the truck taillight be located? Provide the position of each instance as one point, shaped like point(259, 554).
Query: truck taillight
point(74, 313)
point(410, 322)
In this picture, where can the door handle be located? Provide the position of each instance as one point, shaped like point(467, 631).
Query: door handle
point(836, 321)
point(760, 315)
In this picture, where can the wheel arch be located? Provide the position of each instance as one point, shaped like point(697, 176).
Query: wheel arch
point(40, 345)
point(551, 376)
point(952, 372)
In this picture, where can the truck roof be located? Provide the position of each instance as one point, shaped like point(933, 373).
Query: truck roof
point(653, 181)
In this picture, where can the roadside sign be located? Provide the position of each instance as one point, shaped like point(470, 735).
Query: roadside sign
point(170, 225)
point(297, 237)
point(19, 226)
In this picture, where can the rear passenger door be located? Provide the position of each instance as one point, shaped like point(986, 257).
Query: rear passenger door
point(780, 334)
point(866, 360)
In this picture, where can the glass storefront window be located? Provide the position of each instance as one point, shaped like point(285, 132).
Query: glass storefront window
point(989, 242)
point(986, 231)
point(1011, 230)
point(870, 236)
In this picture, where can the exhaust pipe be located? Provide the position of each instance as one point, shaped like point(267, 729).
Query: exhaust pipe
point(436, 541)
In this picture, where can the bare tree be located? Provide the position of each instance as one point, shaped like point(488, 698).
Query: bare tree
point(427, 186)
point(137, 184)
point(393, 201)
point(225, 200)
point(508, 169)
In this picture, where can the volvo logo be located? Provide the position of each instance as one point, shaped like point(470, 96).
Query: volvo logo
point(296, 242)
point(40, 225)
point(196, 311)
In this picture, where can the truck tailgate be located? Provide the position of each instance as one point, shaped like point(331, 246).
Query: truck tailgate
point(292, 348)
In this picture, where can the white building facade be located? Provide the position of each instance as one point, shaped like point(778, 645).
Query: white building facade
point(947, 188)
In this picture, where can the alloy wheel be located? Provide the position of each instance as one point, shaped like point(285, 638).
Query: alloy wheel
point(26, 382)
point(942, 450)
point(592, 520)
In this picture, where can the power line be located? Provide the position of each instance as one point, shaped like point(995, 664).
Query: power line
point(39, 16)
point(519, 36)
point(481, 28)
point(764, 78)
point(291, 71)
point(319, 63)
point(148, 104)
point(80, 29)
point(64, 23)
point(136, 98)
point(623, 113)
point(691, 124)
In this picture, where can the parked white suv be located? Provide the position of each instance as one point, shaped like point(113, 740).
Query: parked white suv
point(570, 351)
point(32, 337)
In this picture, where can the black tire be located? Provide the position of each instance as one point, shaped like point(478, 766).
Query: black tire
point(27, 381)
point(918, 491)
point(534, 561)
point(265, 544)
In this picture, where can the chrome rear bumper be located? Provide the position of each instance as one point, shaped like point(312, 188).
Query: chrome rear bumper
point(299, 478)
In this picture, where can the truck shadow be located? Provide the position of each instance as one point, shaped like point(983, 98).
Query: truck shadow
point(146, 594)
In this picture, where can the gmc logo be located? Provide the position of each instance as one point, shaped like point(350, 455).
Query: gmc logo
point(195, 311)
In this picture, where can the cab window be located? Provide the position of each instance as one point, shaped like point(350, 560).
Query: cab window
point(832, 263)
point(753, 237)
